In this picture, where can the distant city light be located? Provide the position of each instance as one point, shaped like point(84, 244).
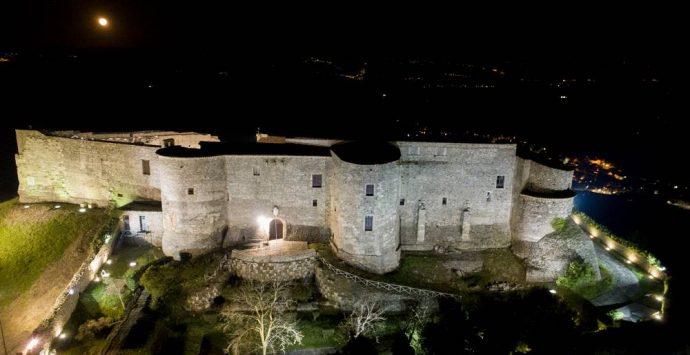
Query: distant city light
point(659, 298)
point(103, 21)
point(552, 291)
point(563, 97)
point(57, 206)
point(82, 210)
point(26, 206)
point(133, 264)
point(63, 336)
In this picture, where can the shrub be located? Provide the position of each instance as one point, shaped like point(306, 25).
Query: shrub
point(578, 274)
point(93, 327)
point(615, 314)
point(558, 224)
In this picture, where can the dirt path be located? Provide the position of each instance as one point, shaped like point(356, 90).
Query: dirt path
point(25, 313)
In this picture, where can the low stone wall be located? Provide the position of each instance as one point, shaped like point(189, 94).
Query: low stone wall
point(51, 327)
point(287, 265)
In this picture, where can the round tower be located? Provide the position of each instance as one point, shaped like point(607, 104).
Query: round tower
point(365, 191)
point(194, 201)
point(546, 195)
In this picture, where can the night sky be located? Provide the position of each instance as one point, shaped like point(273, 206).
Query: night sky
point(229, 69)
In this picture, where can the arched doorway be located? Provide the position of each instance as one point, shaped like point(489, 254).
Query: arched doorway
point(275, 229)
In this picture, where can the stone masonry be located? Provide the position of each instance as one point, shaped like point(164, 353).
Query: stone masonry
point(370, 201)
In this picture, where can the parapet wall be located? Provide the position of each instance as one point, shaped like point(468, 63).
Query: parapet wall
point(289, 265)
point(546, 179)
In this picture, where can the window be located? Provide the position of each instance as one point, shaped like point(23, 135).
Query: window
point(314, 203)
point(190, 191)
point(255, 171)
point(316, 180)
point(169, 142)
point(444, 201)
point(369, 190)
point(368, 223)
point(143, 226)
point(402, 202)
point(500, 180)
point(145, 167)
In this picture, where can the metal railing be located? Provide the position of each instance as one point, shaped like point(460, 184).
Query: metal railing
point(384, 285)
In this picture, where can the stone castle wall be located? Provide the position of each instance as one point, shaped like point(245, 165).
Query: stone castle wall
point(82, 171)
point(465, 175)
point(213, 201)
point(256, 184)
point(376, 250)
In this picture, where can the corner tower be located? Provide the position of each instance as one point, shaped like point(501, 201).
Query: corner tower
point(545, 195)
point(194, 201)
point(365, 190)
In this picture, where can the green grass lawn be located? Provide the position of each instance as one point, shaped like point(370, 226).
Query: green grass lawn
point(33, 238)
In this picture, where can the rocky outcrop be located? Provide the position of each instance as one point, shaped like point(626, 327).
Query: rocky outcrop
point(549, 258)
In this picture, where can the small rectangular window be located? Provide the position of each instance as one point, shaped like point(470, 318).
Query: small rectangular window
point(145, 167)
point(316, 180)
point(369, 190)
point(402, 202)
point(190, 191)
point(500, 180)
point(444, 201)
point(368, 223)
point(255, 171)
point(314, 203)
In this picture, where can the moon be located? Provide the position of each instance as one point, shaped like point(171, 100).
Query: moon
point(102, 21)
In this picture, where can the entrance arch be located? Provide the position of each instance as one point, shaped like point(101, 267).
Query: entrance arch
point(276, 229)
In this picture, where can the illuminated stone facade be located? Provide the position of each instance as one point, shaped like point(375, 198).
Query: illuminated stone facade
point(368, 202)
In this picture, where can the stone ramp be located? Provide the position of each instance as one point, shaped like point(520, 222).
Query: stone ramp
point(626, 284)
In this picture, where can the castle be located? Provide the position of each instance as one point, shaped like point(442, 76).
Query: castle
point(190, 193)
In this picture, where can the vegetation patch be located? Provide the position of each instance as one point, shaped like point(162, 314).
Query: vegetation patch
point(558, 224)
point(581, 279)
point(32, 238)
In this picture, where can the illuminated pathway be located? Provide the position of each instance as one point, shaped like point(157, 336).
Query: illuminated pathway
point(625, 282)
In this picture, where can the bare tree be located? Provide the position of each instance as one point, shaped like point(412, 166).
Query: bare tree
point(366, 312)
point(258, 320)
